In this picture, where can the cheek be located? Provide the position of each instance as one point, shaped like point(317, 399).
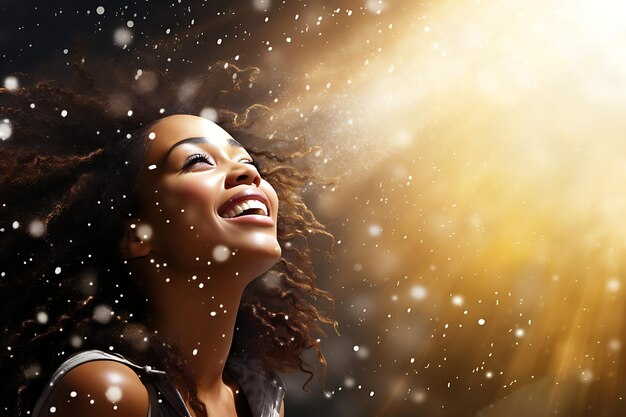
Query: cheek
point(271, 194)
point(190, 200)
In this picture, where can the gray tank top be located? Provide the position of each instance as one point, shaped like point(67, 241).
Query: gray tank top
point(263, 392)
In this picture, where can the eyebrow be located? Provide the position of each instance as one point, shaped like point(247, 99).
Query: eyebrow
point(197, 140)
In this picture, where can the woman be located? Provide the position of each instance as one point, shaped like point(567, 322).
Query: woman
point(132, 237)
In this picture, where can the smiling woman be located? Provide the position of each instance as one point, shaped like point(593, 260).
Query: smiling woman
point(142, 269)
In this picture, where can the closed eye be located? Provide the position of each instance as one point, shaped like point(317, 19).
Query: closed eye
point(197, 161)
point(251, 162)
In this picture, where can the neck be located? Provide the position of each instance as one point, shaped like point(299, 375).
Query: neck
point(197, 315)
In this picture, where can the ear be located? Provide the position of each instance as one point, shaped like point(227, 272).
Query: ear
point(131, 243)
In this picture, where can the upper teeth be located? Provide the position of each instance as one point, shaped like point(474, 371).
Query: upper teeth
point(242, 206)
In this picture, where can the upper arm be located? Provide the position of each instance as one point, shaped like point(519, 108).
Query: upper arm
point(100, 388)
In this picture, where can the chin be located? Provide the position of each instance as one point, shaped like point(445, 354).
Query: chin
point(261, 258)
point(255, 255)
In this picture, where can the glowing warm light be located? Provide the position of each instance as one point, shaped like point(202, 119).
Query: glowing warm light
point(418, 292)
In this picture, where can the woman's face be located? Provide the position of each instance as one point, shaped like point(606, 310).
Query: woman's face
point(205, 203)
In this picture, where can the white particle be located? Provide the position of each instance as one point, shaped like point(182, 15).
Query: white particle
point(11, 83)
point(261, 5)
point(457, 300)
point(613, 285)
point(418, 292)
point(586, 376)
point(213, 313)
point(151, 135)
point(144, 231)
point(53, 410)
point(42, 317)
point(102, 314)
point(481, 322)
point(151, 167)
point(113, 394)
point(100, 10)
point(363, 353)
point(16, 224)
point(130, 113)
point(65, 51)
point(375, 230)
point(419, 397)
point(122, 36)
point(210, 114)
point(130, 23)
point(519, 332)
point(63, 113)
point(73, 394)
point(371, 393)
point(221, 253)
point(5, 129)
point(194, 352)
point(57, 270)
point(76, 341)
point(288, 40)
point(355, 348)
point(488, 374)
point(614, 345)
point(219, 41)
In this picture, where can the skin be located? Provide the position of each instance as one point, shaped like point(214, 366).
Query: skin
point(176, 250)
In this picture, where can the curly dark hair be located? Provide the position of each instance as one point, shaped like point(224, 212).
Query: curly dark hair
point(68, 175)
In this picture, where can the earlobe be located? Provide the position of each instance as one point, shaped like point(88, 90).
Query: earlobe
point(131, 245)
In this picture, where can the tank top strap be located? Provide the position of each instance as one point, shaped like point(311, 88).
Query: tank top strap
point(264, 390)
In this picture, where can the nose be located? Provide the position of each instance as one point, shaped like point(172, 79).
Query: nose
point(242, 174)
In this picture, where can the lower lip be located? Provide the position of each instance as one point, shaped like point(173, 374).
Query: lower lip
point(252, 219)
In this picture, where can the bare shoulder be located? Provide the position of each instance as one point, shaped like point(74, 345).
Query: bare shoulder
point(99, 388)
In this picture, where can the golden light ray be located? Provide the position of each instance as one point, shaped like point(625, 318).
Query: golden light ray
point(506, 119)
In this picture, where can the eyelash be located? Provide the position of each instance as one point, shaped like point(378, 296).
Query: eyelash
point(195, 158)
point(199, 157)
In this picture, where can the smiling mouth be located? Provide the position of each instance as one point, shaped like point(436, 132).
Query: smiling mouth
point(245, 208)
